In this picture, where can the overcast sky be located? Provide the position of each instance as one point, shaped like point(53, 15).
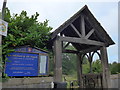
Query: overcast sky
point(57, 12)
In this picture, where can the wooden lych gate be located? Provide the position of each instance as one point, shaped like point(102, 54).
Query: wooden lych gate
point(86, 35)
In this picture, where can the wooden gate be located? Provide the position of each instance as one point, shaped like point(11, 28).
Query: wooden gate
point(92, 80)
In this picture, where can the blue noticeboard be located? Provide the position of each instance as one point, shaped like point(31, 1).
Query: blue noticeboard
point(22, 64)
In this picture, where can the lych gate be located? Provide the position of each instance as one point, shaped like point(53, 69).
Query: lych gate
point(86, 34)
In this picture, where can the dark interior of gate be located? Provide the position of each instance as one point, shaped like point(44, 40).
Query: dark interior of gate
point(87, 36)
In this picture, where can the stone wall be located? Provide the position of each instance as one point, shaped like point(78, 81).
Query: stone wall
point(45, 82)
point(115, 81)
point(39, 82)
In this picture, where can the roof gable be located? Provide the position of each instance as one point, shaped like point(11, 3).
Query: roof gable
point(93, 29)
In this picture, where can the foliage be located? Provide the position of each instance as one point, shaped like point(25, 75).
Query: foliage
point(69, 64)
point(115, 68)
point(97, 66)
point(70, 78)
point(51, 63)
point(85, 66)
point(24, 30)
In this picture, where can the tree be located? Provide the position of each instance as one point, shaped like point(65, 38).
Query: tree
point(69, 61)
point(97, 66)
point(25, 30)
point(69, 64)
point(85, 66)
point(115, 68)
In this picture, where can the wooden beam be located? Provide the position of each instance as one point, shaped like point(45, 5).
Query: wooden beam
point(105, 67)
point(91, 49)
point(75, 30)
point(89, 34)
point(58, 61)
point(82, 26)
point(3, 9)
point(61, 34)
point(81, 41)
point(66, 45)
point(70, 51)
point(90, 61)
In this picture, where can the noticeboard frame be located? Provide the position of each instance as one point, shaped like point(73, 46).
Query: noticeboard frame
point(39, 74)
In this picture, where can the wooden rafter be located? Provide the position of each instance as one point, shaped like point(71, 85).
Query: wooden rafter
point(81, 41)
point(75, 30)
point(90, 49)
point(66, 45)
point(89, 34)
point(70, 51)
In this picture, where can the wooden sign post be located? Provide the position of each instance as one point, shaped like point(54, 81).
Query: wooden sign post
point(3, 12)
point(2, 18)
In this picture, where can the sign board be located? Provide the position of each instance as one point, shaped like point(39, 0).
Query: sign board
point(27, 61)
point(22, 64)
point(3, 27)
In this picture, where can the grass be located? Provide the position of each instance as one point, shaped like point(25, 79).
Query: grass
point(70, 78)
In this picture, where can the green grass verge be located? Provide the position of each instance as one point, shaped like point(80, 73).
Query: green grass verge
point(70, 78)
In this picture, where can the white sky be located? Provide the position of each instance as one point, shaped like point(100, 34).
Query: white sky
point(58, 11)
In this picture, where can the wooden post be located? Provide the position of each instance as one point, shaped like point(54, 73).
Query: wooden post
point(82, 26)
point(90, 67)
point(105, 67)
point(90, 61)
point(58, 60)
point(79, 69)
point(2, 17)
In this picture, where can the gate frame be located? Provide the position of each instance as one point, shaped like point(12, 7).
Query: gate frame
point(86, 39)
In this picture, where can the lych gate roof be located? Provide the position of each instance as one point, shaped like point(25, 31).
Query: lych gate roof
point(93, 30)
